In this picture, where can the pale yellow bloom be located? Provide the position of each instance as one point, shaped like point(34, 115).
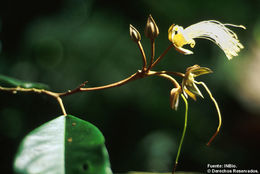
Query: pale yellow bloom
point(189, 87)
point(212, 30)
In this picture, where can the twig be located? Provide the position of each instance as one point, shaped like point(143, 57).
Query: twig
point(171, 73)
point(138, 75)
point(152, 53)
point(62, 106)
point(73, 91)
point(143, 55)
point(166, 76)
point(39, 91)
point(80, 88)
point(116, 84)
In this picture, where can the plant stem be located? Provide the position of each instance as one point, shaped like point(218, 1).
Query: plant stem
point(143, 55)
point(120, 83)
point(152, 53)
point(137, 75)
point(183, 133)
point(62, 106)
point(171, 73)
point(39, 91)
point(116, 84)
point(161, 56)
point(166, 76)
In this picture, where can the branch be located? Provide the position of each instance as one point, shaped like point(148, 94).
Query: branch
point(38, 91)
point(152, 53)
point(166, 76)
point(143, 55)
point(171, 73)
point(138, 75)
point(135, 76)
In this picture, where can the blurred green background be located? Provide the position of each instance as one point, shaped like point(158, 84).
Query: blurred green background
point(63, 43)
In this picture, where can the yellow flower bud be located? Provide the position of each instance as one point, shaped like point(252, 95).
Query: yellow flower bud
point(174, 98)
point(151, 29)
point(134, 34)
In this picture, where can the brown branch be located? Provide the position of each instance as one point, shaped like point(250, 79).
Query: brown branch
point(61, 105)
point(38, 91)
point(81, 88)
point(152, 53)
point(138, 75)
point(73, 91)
point(166, 76)
point(171, 73)
point(135, 76)
point(143, 55)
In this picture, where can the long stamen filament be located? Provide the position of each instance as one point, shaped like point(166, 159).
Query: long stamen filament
point(218, 110)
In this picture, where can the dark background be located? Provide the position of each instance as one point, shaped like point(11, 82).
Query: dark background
point(62, 43)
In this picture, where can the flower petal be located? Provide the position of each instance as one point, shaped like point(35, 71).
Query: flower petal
point(186, 91)
point(201, 71)
point(183, 50)
point(194, 89)
point(174, 98)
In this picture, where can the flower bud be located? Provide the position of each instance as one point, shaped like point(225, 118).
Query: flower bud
point(134, 34)
point(151, 29)
point(174, 98)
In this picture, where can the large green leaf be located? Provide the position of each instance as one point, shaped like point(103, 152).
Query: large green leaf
point(64, 145)
point(6, 81)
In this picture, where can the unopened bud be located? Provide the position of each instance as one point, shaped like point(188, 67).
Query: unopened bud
point(151, 29)
point(134, 34)
point(174, 98)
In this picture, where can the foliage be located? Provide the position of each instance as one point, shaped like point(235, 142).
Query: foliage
point(12, 82)
point(64, 145)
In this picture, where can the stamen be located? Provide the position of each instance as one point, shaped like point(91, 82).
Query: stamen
point(218, 33)
point(183, 50)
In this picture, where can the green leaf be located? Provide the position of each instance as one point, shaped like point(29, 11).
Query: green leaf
point(6, 81)
point(64, 145)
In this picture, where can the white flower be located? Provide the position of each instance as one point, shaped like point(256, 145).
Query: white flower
point(212, 30)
